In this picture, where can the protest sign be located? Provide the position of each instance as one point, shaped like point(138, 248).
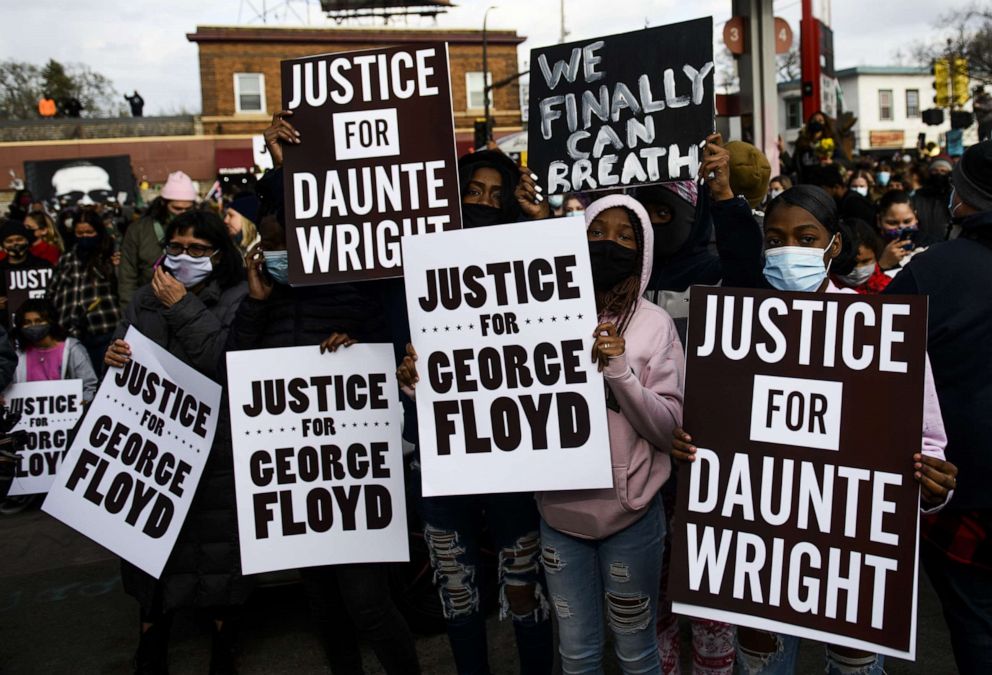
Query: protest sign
point(129, 477)
point(800, 513)
point(24, 284)
point(509, 399)
point(376, 159)
point(48, 412)
point(621, 110)
point(318, 457)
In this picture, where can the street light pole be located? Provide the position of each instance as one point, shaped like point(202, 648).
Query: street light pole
point(485, 72)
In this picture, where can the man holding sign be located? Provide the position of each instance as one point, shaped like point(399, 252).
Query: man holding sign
point(800, 516)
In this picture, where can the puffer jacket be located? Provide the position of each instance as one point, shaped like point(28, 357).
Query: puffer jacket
point(647, 382)
point(204, 569)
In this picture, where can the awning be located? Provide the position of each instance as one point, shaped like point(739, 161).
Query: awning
point(234, 160)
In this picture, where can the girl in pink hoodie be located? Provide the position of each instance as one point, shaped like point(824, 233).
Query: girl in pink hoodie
point(604, 547)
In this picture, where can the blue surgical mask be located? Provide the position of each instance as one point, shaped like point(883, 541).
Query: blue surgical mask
point(277, 263)
point(882, 177)
point(796, 268)
point(859, 275)
point(555, 201)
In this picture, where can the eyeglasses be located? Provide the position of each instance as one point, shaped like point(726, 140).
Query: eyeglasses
point(194, 250)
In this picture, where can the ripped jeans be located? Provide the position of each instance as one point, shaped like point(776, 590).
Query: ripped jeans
point(778, 655)
point(621, 572)
point(452, 528)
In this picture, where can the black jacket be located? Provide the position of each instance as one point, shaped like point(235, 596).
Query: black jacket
point(204, 569)
point(957, 276)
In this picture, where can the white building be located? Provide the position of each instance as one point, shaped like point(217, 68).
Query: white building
point(888, 102)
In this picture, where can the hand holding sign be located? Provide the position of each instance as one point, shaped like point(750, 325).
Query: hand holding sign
point(279, 132)
point(529, 197)
point(937, 478)
point(716, 168)
point(608, 344)
point(118, 354)
point(407, 371)
point(336, 340)
point(259, 288)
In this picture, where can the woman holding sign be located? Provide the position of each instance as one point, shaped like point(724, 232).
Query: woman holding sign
point(188, 309)
point(802, 238)
point(602, 549)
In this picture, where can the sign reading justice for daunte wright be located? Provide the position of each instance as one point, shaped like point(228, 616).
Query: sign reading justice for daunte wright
point(622, 110)
point(129, 477)
point(509, 399)
point(376, 162)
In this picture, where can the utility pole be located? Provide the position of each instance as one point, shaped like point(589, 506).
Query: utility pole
point(809, 53)
point(485, 73)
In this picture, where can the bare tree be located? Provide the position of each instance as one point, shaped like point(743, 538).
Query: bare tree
point(969, 34)
point(23, 84)
point(20, 87)
point(789, 65)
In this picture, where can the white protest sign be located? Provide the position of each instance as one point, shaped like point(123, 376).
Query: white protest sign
point(48, 412)
point(129, 477)
point(318, 457)
point(509, 399)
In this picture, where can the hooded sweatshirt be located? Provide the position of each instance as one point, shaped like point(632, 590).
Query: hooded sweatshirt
point(646, 381)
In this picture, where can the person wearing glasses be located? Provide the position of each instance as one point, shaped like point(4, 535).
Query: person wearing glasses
point(188, 309)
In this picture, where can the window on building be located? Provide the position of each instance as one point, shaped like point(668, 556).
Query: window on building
point(885, 104)
point(475, 94)
point(793, 113)
point(249, 93)
point(912, 103)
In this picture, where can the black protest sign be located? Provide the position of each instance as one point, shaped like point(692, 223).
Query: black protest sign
point(800, 513)
point(48, 411)
point(318, 457)
point(376, 161)
point(70, 179)
point(25, 284)
point(509, 399)
point(129, 477)
point(622, 110)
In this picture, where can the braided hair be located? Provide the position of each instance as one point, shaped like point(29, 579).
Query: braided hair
point(620, 300)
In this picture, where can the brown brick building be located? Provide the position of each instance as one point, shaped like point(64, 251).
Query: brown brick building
point(241, 89)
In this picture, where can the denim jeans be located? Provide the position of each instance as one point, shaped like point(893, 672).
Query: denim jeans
point(619, 573)
point(782, 661)
point(349, 602)
point(965, 594)
point(452, 528)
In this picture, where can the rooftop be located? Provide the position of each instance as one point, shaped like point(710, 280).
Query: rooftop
point(384, 35)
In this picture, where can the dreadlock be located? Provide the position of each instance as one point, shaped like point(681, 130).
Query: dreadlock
point(620, 300)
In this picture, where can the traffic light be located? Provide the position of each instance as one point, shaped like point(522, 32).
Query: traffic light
point(941, 82)
point(481, 134)
point(959, 81)
point(961, 119)
point(933, 117)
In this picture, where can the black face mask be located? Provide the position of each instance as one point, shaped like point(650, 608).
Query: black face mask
point(611, 263)
point(941, 182)
point(814, 127)
point(480, 215)
point(86, 246)
point(17, 250)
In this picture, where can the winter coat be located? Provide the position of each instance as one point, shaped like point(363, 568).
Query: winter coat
point(8, 359)
point(75, 366)
point(647, 382)
point(204, 569)
point(142, 247)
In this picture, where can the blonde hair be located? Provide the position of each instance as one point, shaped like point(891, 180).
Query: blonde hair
point(52, 236)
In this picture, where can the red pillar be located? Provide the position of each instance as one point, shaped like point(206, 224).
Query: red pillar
point(809, 53)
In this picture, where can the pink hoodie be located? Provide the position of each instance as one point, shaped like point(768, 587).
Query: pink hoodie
point(647, 383)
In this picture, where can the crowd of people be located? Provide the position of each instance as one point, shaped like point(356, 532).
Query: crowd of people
point(200, 281)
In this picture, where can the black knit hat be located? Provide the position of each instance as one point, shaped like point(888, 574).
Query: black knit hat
point(13, 228)
point(972, 176)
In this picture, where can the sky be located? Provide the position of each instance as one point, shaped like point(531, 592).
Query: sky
point(142, 45)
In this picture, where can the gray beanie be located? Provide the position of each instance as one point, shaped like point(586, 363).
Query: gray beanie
point(972, 176)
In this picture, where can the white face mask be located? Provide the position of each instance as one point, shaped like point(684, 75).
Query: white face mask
point(861, 190)
point(859, 275)
point(773, 193)
point(187, 270)
point(796, 268)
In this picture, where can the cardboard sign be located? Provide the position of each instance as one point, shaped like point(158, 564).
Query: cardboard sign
point(376, 161)
point(509, 399)
point(318, 457)
point(48, 410)
point(129, 477)
point(24, 284)
point(622, 110)
point(800, 514)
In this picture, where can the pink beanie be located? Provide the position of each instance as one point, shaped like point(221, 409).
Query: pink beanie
point(179, 187)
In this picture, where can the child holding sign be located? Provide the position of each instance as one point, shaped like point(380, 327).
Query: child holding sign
point(45, 352)
point(802, 237)
point(604, 547)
